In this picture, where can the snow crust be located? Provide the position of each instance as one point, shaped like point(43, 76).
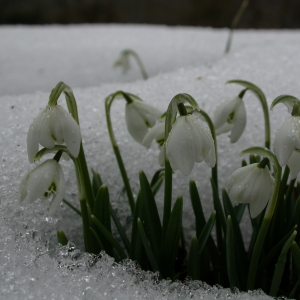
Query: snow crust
point(189, 60)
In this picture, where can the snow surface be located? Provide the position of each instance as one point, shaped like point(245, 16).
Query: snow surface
point(190, 60)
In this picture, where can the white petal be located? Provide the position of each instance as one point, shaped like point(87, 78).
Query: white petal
point(70, 130)
point(223, 111)
point(286, 139)
point(156, 132)
point(135, 123)
point(40, 179)
point(161, 156)
point(226, 127)
point(149, 113)
point(32, 139)
point(210, 159)
point(239, 121)
point(180, 147)
point(262, 193)
point(294, 164)
point(56, 125)
point(23, 188)
point(59, 180)
point(44, 132)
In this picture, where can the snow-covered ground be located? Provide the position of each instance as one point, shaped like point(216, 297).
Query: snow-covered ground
point(190, 60)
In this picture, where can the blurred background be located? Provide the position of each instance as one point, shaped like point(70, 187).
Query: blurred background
point(214, 13)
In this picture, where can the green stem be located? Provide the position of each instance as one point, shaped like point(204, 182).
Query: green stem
point(140, 63)
point(263, 232)
point(170, 119)
point(108, 102)
point(263, 100)
point(214, 170)
point(88, 240)
point(235, 21)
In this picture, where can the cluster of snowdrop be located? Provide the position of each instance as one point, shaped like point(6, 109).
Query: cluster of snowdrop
point(185, 134)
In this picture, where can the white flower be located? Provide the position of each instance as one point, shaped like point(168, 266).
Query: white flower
point(157, 132)
point(286, 141)
point(231, 116)
point(251, 184)
point(139, 117)
point(53, 125)
point(44, 181)
point(189, 142)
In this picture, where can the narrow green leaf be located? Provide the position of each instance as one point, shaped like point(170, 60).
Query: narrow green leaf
point(109, 237)
point(102, 213)
point(239, 211)
point(137, 252)
point(171, 242)
point(96, 182)
point(218, 206)
point(193, 266)
point(241, 256)
point(155, 188)
point(61, 238)
point(157, 175)
point(275, 252)
point(278, 273)
point(121, 230)
point(197, 207)
point(151, 215)
point(77, 211)
point(296, 256)
point(230, 256)
point(205, 233)
point(97, 238)
point(147, 247)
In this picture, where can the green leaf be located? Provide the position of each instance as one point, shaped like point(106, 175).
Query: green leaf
point(96, 182)
point(77, 211)
point(230, 256)
point(137, 252)
point(102, 213)
point(205, 234)
point(171, 242)
point(61, 238)
point(296, 256)
point(197, 207)
point(239, 211)
point(193, 266)
point(157, 175)
point(200, 222)
point(99, 240)
point(109, 237)
point(147, 247)
point(121, 230)
point(151, 215)
point(241, 256)
point(220, 214)
point(278, 273)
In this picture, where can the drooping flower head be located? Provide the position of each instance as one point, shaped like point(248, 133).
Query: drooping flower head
point(189, 141)
point(157, 132)
point(231, 116)
point(46, 180)
point(251, 184)
point(287, 140)
point(53, 125)
point(140, 116)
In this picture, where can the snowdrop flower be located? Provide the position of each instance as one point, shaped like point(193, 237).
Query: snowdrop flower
point(251, 184)
point(140, 116)
point(157, 132)
point(231, 116)
point(123, 61)
point(287, 144)
point(44, 181)
point(189, 142)
point(53, 125)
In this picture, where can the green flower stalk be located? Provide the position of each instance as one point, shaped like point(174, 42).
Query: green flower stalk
point(268, 213)
point(263, 100)
point(140, 116)
point(123, 62)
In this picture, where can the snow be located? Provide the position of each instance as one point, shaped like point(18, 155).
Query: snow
point(178, 59)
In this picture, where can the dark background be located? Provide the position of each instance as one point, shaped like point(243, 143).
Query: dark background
point(215, 13)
